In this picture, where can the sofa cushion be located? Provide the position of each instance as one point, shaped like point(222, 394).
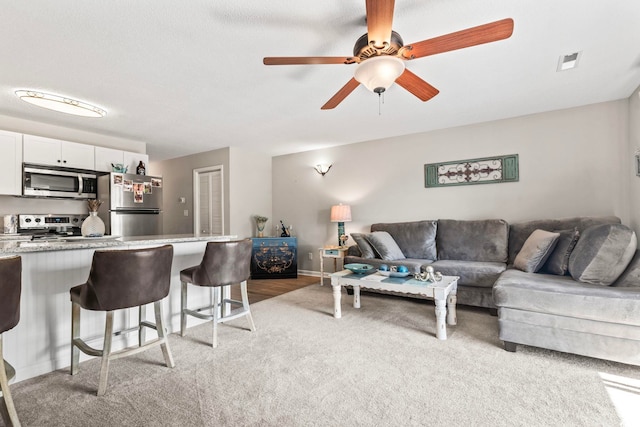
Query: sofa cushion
point(474, 273)
point(631, 275)
point(602, 253)
point(416, 239)
point(483, 240)
point(563, 296)
point(558, 261)
point(385, 246)
point(366, 250)
point(519, 232)
point(536, 250)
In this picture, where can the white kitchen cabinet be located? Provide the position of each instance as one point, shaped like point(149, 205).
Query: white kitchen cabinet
point(106, 156)
point(133, 160)
point(10, 163)
point(55, 152)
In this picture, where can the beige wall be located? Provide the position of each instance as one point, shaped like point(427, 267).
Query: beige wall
point(247, 187)
point(178, 182)
point(249, 191)
point(572, 162)
point(634, 147)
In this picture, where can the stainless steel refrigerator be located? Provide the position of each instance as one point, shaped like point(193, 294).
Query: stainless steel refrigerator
point(131, 204)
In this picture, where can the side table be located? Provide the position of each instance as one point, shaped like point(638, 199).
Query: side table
point(335, 252)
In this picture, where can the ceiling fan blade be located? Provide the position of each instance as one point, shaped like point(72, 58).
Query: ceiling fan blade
point(303, 60)
point(341, 94)
point(416, 85)
point(379, 21)
point(487, 33)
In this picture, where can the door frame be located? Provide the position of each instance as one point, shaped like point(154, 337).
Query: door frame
point(196, 195)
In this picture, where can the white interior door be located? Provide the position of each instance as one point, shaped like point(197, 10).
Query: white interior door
point(208, 197)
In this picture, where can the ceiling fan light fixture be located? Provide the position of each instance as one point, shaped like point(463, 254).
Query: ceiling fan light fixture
point(378, 73)
point(60, 103)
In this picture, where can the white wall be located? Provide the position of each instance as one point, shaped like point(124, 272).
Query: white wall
point(572, 162)
point(249, 191)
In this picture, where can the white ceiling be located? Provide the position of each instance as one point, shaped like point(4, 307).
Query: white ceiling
point(187, 76)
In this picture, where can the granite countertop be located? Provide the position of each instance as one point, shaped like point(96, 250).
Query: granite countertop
point(8, 246)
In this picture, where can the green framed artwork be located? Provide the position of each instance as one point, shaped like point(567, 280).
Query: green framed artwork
point(487, 170)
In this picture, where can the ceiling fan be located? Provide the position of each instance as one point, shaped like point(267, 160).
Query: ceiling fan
point(381, 54)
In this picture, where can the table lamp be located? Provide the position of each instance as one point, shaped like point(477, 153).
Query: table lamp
point(341, 214)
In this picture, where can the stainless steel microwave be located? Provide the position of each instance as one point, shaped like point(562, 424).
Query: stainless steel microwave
point(45, 181)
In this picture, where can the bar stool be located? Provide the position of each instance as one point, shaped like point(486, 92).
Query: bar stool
point(122, 279)
point(223, 264)
point(10, 288)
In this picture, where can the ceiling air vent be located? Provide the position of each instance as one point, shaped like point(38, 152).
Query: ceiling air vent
point(567, 62)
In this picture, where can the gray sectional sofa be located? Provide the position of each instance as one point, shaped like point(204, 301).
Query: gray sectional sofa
point(582, 296)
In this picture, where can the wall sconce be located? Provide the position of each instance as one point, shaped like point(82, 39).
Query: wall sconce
point(322, 169)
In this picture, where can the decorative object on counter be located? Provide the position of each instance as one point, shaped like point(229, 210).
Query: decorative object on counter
point(93, 226)
point(261, 221)
point(341, 214)
point(322, 168)
point(487, 170)
point(11, 224)
point(428, 275)
point(286, 231)
point(141, 169)
point(119, 168)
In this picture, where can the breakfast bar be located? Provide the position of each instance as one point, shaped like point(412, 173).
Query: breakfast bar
point(40, 343)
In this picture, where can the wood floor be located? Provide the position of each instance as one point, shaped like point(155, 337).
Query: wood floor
point(259, 290)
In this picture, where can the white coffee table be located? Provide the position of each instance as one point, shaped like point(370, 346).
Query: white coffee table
point(443, 293)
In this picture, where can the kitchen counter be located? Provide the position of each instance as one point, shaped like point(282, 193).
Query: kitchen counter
point(41, 341)
point(10, 245)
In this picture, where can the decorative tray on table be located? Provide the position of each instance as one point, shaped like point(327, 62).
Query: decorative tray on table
point(394, 273)
point(359, 268)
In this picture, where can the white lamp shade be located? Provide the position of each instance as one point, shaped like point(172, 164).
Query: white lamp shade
point(379, 72)
point(340, 213)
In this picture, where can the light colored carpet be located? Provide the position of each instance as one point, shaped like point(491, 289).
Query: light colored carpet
point(380, 365)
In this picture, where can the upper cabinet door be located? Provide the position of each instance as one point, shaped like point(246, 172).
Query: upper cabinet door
point(42, 151)
point(80, 156)
point(10, 163)
point(107, 156)
point(54, 152)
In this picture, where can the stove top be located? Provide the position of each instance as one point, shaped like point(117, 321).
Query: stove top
point(49, 226)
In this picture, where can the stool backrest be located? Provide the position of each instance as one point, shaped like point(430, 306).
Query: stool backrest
point(129, 278)
point(224, 263)
point(10, 289)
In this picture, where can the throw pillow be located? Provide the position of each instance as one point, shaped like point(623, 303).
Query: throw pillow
point(366, 250)
point(558, 261)
point(535, 251)
point(602, 253)
point(385, 246)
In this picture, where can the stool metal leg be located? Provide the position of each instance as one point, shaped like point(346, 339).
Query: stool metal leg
point(75, 334)
point(106, 354)
point(245, 304)
point(6, 393)
point(162, 335)
point(183, 307)
point(216, 314)
point(141, 330)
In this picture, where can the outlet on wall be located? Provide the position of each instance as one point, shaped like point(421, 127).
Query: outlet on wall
point(310, 255)
point(186, 212)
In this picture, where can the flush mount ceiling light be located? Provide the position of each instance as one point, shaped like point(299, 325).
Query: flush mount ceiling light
point(60, 103)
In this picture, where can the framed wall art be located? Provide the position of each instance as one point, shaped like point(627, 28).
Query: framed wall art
point(487, 170)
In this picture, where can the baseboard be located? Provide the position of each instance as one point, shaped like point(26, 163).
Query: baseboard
point(311, 273)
